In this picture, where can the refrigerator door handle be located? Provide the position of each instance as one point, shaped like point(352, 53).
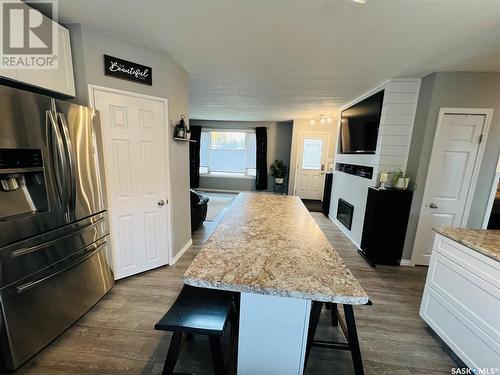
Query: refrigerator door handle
point(75, 227)
point(96, 247)
point(71, 167)
point(58, 158)
point(24, 251)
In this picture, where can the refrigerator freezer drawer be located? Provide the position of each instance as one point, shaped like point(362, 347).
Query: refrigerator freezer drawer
point(39, 308)
point(29, 256)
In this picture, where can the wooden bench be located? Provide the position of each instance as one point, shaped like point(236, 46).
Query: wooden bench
point(199, 311)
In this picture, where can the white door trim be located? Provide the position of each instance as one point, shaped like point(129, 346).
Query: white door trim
point(491, 200)
point(494, 187)
point(164, 101)
point(297, 161)
point(488, 113)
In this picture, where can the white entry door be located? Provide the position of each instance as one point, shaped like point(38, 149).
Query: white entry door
point(134, 142)
point(311, 164)
point(450, 177)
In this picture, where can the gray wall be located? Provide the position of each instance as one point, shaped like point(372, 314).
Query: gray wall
point(279, 141)
point(456, 90)
point(170, 81)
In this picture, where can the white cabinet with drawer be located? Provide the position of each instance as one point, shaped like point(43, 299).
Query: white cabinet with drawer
point(461, 302)
point(59, 80)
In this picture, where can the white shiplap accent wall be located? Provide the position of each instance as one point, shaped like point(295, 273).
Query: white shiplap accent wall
point(396, 127)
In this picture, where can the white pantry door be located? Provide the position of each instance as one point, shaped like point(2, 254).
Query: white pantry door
point(449, 179)
point(134, 142)
point(311, 164)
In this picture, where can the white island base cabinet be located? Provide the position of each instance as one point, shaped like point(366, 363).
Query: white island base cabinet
point(273, 334)
point(461, 302)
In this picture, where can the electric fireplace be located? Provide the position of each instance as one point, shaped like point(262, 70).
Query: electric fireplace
point(344, 213)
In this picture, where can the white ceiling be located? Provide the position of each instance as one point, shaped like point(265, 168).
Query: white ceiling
point(279, 60)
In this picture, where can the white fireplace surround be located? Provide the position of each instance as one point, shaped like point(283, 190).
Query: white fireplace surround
point(393, 143)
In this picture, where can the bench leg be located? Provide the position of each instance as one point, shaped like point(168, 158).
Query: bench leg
point(313, 324)
point(353, 340)
point(173, 353)
point(233, 334)
point(217, 355)
point(334, 312)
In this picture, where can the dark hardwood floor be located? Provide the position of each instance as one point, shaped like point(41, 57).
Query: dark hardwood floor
point(117, 335)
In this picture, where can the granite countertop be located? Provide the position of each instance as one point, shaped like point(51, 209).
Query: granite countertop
point(484, 241)
point(270, 244)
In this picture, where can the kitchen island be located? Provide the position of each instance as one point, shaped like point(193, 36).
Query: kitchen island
point(461, 300)
point(270, 249)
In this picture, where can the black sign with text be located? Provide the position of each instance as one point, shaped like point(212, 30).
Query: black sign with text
point(128, 70)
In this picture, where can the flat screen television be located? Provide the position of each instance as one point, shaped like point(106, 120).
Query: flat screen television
point(359, 125)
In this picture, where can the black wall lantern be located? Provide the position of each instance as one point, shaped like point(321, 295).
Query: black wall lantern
point(181, 130)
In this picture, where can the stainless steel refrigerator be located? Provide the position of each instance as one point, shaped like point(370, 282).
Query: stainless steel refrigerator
point(54, 231)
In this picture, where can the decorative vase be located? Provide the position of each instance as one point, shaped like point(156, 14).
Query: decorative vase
point(390, 180)
point(402, 183)
point(278, 181)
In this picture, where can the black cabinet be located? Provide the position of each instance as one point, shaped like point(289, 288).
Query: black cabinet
point(327, 193)
point(384, 228)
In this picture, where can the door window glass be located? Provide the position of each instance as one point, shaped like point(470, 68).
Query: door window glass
point(311, 154)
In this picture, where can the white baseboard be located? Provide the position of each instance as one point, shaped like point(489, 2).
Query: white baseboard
point(406, 262)
point(220, 190)
point(181, 253)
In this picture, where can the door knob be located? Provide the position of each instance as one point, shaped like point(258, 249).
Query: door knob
point(433, 205)
point(161, 202)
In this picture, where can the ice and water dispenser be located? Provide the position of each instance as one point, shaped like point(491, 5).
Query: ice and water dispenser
point(23, 188)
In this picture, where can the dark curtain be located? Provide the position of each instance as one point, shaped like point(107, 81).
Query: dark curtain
point(261, 161)
point(194, 157)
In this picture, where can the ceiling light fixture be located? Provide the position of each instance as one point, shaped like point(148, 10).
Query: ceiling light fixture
point(322, 119)
point(359, 1)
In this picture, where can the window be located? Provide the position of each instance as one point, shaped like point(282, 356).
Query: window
point(228, 141)
point(311, 158)
point(228, 153)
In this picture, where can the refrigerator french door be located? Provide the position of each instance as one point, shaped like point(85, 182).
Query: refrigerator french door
point(54, 231)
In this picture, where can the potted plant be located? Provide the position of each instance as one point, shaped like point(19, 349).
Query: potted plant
point(279, 171)
point(401, 180)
